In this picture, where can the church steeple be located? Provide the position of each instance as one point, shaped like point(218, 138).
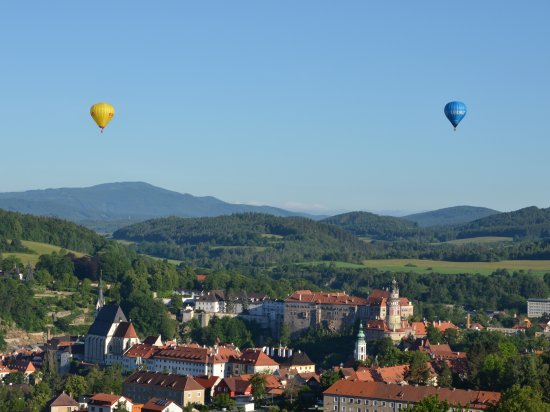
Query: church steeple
point(100, 299)
point(360, 345)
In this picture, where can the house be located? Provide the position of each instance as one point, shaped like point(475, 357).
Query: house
point(236, 386)
point(251, 361)
point(347, 395)
point(64, 403)
point(142, 386)
point(160, 405)
point(208, 383)
point(104, 402)
point(440, 351)
point(297, 360)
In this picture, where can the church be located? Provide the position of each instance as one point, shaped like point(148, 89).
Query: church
point(110, 335)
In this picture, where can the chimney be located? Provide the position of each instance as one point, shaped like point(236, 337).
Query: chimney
point(468, 321)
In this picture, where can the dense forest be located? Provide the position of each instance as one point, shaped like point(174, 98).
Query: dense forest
point(249, 239)
point(49, 230)
point(527, 223)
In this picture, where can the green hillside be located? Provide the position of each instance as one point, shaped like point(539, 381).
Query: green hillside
point(36, 249)
point(249, 239)
point(49, 230)
point(370, 225)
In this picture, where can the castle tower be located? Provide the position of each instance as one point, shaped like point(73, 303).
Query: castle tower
point(394, 308)
point(360, 345)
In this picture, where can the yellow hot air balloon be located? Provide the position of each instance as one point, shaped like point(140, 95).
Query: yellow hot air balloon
point(102, 113)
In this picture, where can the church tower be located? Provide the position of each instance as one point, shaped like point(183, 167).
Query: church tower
point(360, 345)
point(100, 299)
point(394, 308)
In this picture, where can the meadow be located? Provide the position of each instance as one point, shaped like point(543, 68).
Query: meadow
point(39, 249)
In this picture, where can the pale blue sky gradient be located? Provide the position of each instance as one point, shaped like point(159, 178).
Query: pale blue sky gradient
point(315, 105)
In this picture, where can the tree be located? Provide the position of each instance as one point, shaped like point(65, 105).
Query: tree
point(434, 335)
point(418, 371)
point(284, 336)
point(521, 399)
point(223, 400)
point(76, 386)
point(445, 379)
point(120, 407)
point(258, 386)
point(430, 404)
point(328, 378)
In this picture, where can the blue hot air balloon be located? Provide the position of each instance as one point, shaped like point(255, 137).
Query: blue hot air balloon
point(455, 112)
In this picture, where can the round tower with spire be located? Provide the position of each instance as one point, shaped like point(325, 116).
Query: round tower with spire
point(394, 308)
point(360, 345)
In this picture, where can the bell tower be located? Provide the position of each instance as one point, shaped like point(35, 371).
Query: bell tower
point(360, 345)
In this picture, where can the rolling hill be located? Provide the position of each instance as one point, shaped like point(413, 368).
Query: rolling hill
point(249, 238)
point(112, 205)
point(450, 216)
point(370, 225)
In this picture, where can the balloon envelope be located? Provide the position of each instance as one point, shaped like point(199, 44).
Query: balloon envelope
point(102, 113)
point(455, 112)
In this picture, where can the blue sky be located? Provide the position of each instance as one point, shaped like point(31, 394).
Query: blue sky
point(311, 105)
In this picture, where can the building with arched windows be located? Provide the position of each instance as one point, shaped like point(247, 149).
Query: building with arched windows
point(109, 336)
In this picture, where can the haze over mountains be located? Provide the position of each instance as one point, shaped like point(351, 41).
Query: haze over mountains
point(107, 207)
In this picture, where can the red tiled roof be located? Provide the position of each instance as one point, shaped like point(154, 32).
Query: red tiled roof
point(207, 382)
point(333, 298)
point(104, 399)
point(142, 350)
point(407, 393)
point(364, 375)
point(64, 400)
point(255, 357)
point(419, 328)
point(443, 326)
point(126, 330)
point(237, 385)
point(390, 374)
point(156, 404)
point(196, 353)
point(158, 379)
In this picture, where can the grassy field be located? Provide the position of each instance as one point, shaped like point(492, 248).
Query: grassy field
point(484, 268)
point(481, 239)
point(38, 249)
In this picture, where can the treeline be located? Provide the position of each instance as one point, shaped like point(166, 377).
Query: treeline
point(499, 291)
point(49, 230)
point(466, 252)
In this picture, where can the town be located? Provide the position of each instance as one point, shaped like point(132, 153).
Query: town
point(395, 363)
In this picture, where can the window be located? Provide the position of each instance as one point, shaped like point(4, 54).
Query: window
point(335, 407)
point(336, 399)
point(366, 401)
point(350, 400)
point(383, 403)
point(375, 403)
point(358, 401)
point(343, 400)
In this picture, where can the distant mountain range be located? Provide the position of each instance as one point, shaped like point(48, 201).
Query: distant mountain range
point(450, 216)
point(109, 206)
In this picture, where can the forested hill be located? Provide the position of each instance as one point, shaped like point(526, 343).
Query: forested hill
point(248, 237)
point(530, 222)
point(450, 216)
point(109, 205)
point(49, 230)
point(367, 224)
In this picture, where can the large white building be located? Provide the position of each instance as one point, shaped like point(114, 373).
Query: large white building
point(537, 307)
